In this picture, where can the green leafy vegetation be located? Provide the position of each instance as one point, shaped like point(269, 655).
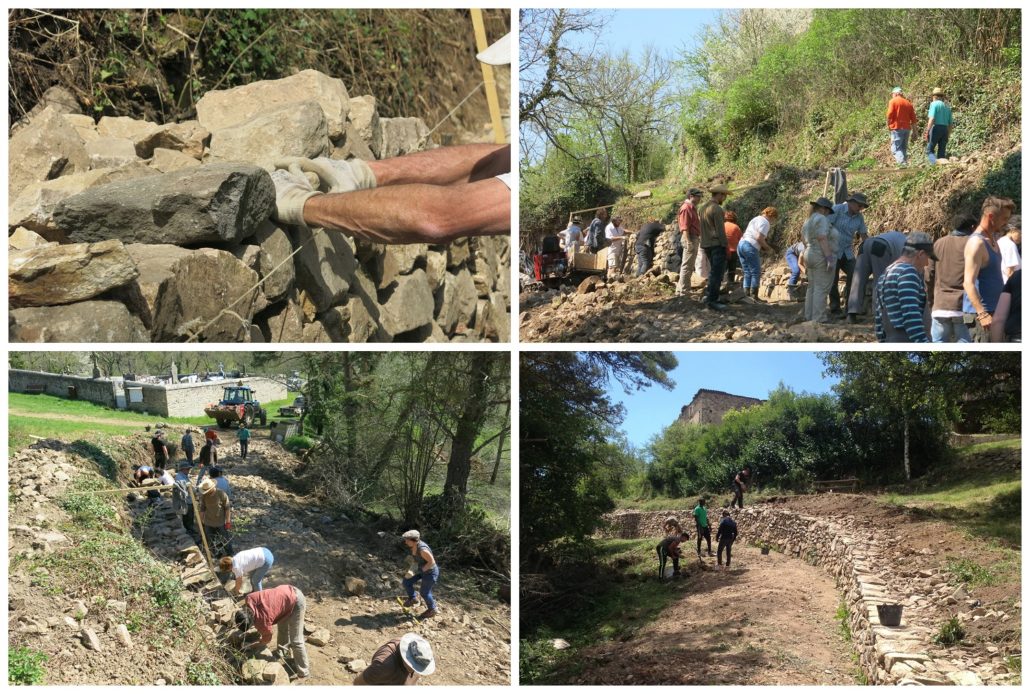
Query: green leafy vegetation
point(298, 444)
point(951, 632)
point(843, 617)
point(971, 573)
point(25, 665)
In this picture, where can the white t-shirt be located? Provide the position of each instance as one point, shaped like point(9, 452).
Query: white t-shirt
point(1009, 256)
point(756, 228)
point(167, 478)
point(617, 235)
point(573, 236)
point(247, 561)
point(505, 178)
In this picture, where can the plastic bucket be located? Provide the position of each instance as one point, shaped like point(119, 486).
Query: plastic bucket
point(765, 550)
point(890, 615)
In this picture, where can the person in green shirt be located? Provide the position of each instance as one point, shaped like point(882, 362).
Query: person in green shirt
point(938, 128)
point(704, 530)
point(244, 436)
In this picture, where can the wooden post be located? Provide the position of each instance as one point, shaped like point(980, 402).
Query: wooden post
point(200, 523)
point(489, 85)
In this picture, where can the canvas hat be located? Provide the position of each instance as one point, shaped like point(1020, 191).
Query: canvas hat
point(694, 191)
point(417, 654)
point(207, 485)
point(185, 465)
point(860, 199)
point(896, 90)
point(499, 52)
point(719, 189)
point(411, 535)
point(920, 241)
point(822, 202)
point(937, 91)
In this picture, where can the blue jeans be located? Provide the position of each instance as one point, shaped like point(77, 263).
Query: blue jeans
point(259, 573)
point(717, 260)
point(426, 589)
point(795, 270)
point(939, 141)
point(899, 145)
point(949, 330)
point(750, 263)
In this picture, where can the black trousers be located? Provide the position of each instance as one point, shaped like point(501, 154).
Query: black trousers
point(243, 447)
point(717, 260)
point(706, 533)
point(738, 496)
point(728, 546)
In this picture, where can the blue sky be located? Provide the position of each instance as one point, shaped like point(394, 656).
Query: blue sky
point(753, 374)
point(669, 30)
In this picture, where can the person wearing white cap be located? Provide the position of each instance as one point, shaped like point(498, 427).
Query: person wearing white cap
point(399, 661)
point(428, 574)
point(435, 196)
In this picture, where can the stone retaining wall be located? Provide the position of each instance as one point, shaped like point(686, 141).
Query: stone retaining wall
point(100, 391)
point(190, 399)
point(887, 655)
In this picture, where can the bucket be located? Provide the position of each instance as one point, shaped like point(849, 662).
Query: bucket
point(890, 615)
point(668, 572)
point(765, 550)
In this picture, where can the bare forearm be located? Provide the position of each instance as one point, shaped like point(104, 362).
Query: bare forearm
point(444, 166)
point(415, 213)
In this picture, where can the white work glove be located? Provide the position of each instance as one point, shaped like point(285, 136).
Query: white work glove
point(292, 190)
point(334, 175)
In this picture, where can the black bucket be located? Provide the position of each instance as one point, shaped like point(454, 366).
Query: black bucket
point(890, 615)
point(765, 550)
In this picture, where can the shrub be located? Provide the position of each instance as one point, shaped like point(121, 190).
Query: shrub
point(951, 633)
point(298, 444)
point(25, 666)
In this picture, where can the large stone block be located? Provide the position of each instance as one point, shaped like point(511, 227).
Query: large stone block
point(168, 160)
point(457, 301)
point(110, 152)
point(408, 305)
point(364, 116)
point(325, 266)
point(45, 148)
point(216, 203)
point(399, 259)
point(402, 136)
point(287, 325)
point(88, 321)
point(276, 268)
point(230, 107)
point(296, 130)
point(126, 128)
point(64, 274)
point(188, 137)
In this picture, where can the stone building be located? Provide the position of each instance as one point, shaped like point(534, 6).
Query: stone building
point(710, 406)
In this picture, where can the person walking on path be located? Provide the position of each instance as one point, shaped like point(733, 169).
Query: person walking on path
point(901, 293)
point(243, 434)
point(428, 573)
point(874, 256)
point(704, 530)
point(725, 536)
point(848, 220)
point(256, 562)
point(795, 257)
point(938, 127)
point(187, 445)
point(282, 607)
point(750, 249)
point(690, 238)
point(216, 515)
point(946, 275)
point(740, 482)
point(820, 240)
point(713, 243)
point(645, 242)
point(399, 662)
point(901, 121)
point(982, 274)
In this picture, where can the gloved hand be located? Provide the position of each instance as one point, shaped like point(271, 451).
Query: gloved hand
point(335, 175)
point(292, 190)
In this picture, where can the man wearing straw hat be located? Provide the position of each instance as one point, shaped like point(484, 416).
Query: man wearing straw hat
point(216, 515)
point(435, 196)
point(938, 128)
point(400, 662)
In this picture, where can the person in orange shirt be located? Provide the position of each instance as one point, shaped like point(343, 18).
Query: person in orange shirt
point(901, 120)
point(733, 234)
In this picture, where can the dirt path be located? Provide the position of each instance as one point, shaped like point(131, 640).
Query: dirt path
point(317, 551)
point(641, 311)
point(769, 620)
point(76, 418)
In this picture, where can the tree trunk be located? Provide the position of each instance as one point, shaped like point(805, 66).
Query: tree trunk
point(500, 447)
point(471, 421)
point(908, 467)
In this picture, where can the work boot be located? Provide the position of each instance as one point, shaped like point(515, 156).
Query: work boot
point(428, 614)
point(852, 319)
point(792, 292)
point(715, 306)
point(754, 295)
point(410, 602)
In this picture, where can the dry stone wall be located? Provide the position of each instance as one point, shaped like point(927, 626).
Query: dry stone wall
point(887, 655)
point(131, 231)
point(190, 399)
point(100, 391)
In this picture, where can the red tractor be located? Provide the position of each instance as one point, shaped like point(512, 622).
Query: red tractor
point(237, 407)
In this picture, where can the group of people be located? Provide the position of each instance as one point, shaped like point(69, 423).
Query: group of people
point(399, 661)
point(901, 121)
point(600, 234)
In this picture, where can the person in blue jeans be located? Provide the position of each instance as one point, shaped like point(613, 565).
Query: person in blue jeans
point(428, 573)
point(938, 128)
point(795, 257)
point(256, 562)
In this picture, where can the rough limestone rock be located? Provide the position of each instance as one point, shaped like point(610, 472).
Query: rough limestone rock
point(275, 674)
point(109, 152)
point(84, 125)
point(188, 137)
point(353, 146)
point(315, 332)
point(325, 266)
point(64, 274)
point(364, 116)
point(436, 266)
point(221, 109)
point(34, 208)
point(90, 639)
point(499, 327)
point(402, 135)
point(168, 160)
point(252, 670)
point(198, 287)
point(319, 637)
point(46, 148)
point(398, 259)
point(275, 266)
point(287, 325)
point(409, 305)
point(23, 238)
point(355, 586)
point(353, 322)
point(57, 97)
point(457, 253)
point(88, 321)
point(220, 202)
point(457, 301)
point(126, 128)
point(154, 263)
point(296, 130)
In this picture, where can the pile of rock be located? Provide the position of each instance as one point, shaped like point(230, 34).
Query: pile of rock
point(861, 563)
point(130, 231)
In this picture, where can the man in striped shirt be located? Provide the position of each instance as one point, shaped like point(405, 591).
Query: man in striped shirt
point(901, 293)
